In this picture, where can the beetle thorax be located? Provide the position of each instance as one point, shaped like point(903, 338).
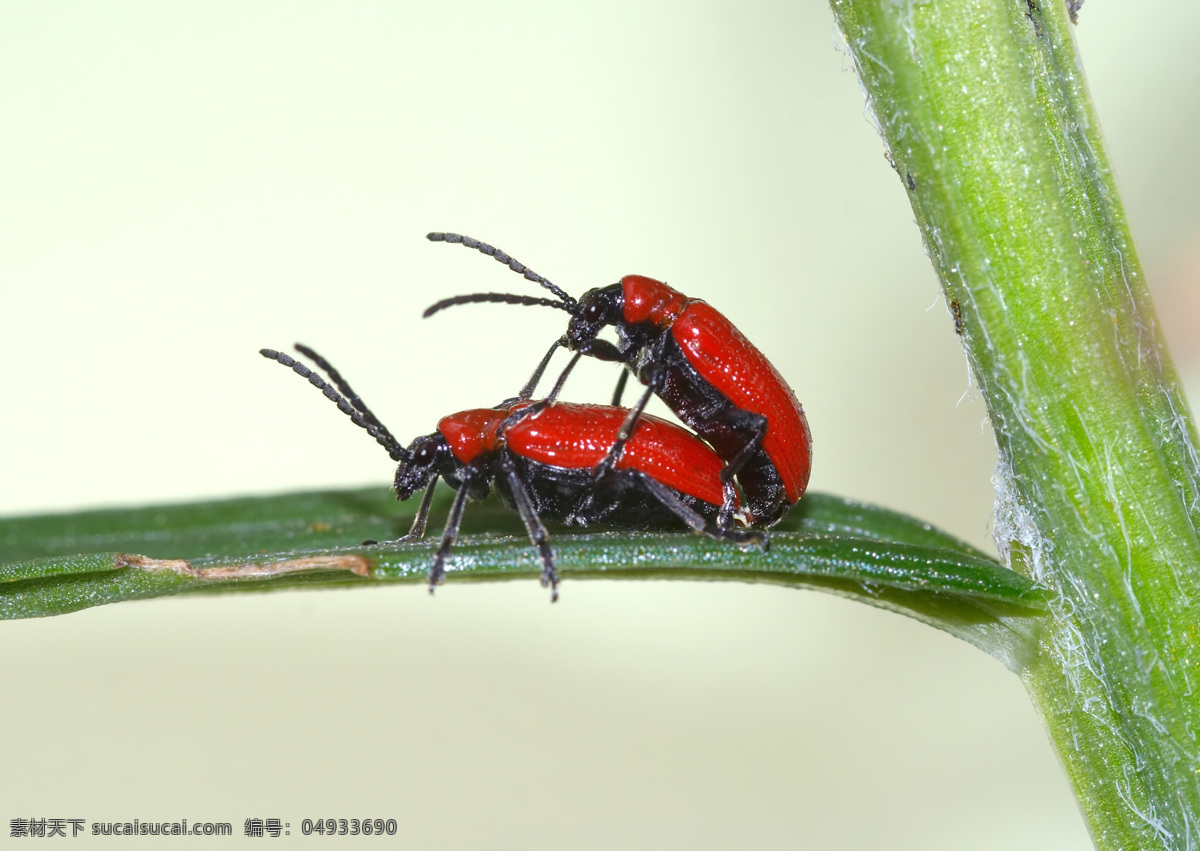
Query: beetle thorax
point(648, 300)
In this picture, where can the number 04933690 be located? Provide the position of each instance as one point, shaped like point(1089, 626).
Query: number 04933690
point(348, 827)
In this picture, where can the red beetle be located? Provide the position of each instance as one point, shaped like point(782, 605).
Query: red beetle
point(698, 363)
point(541, 460)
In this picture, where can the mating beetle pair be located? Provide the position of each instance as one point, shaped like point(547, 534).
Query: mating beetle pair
point(589, 463)
point(697, 362)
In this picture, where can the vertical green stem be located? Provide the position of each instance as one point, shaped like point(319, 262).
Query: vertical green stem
point(984, 110)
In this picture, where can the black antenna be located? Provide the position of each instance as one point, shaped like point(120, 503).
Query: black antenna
point(345, 388)
point(357, 416)
point(507, 260)
point(505, 298)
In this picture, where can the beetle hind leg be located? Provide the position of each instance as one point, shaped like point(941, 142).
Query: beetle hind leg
point(756, 424)
point(696, 521)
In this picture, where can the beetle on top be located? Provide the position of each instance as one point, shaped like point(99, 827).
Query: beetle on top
point(690, 355)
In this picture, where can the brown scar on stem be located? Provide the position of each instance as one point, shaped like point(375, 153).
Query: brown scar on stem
point(358, 565)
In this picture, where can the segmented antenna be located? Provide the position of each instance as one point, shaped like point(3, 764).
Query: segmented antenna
point(382, 436)
point(505, 298)
point(510, 262)
point(345, 388)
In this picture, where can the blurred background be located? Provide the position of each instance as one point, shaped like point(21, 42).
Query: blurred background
point(182, 185)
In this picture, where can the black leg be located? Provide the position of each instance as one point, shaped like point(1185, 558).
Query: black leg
point(531, 384)
point(725, 515)
point(620, 391)
point(533, 525)
point(627, 427)
point(562, 379)
point(417, 530)
point(696, 521)
point(757, 425)
point(538, 406)
point(437, 573)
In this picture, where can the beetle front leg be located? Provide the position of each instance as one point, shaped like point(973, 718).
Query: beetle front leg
point(655, 379)
point(527, 390)
point(538, 406)
point(437, 573)
point(421, 521)
point(533, 525)
point(620, 391)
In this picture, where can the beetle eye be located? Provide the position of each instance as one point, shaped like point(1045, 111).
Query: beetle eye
point(425, 454)
point(594, 312)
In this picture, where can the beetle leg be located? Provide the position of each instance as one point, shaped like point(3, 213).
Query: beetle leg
point(656, 379)
point(538, 406)
point(694, 519)
point(417, 530)
point(562, 379)
point(533, 524)
point(620, 391)
point(606, 351)
point(527, 390)
point(725, 515)
point(757, 424)
point(582, 511)
point(516, 416)
point(580, 514)
point(437, 573)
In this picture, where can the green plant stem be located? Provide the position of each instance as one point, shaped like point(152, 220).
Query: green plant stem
point(986, 116)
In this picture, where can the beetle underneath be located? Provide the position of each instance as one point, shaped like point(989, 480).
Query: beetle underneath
point(540, 458)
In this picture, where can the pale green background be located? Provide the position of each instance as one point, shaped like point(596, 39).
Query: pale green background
point(181, 185)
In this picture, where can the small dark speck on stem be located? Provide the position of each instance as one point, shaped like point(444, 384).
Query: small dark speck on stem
point(1033, 9)
point(958, 318)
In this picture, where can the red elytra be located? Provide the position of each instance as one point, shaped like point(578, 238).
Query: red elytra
point(578, 437)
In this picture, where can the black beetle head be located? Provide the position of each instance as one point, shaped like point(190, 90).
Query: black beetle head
point(425, 458)
point(597, 308)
